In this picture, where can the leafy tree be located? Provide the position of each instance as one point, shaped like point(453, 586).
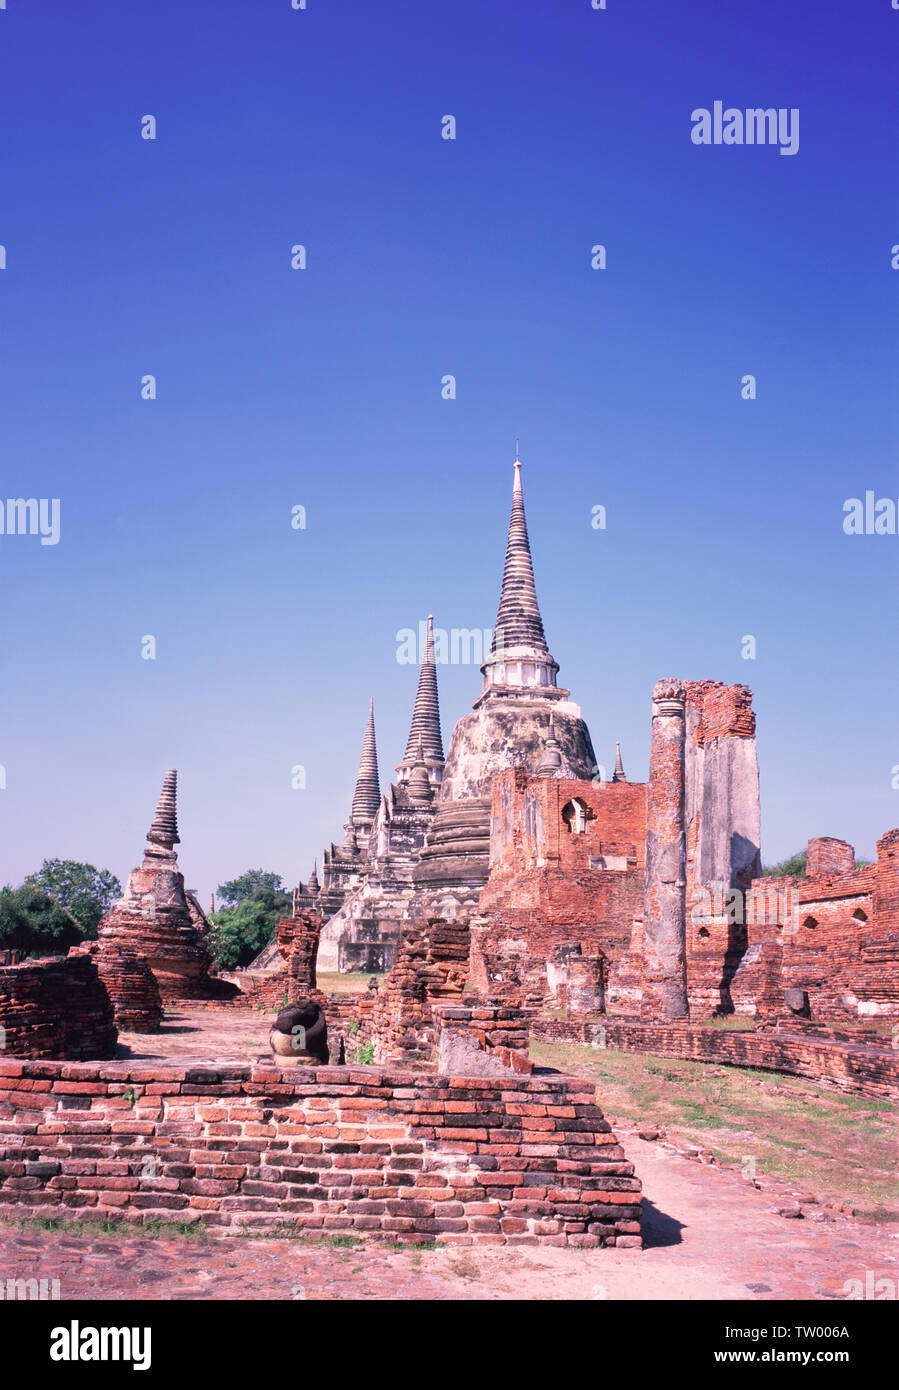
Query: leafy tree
point(256, 902)
point(85, 892)
point(237, 890)
point(30, 920)
point(793, 867)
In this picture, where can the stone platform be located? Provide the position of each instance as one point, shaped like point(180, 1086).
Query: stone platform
point(246, 1144)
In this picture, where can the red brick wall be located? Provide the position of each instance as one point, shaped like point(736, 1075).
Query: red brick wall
point(542, 890)
point(431, 967)
point(835, 933)
point(58, 1007)
point(490, 1028)
point(886, 883)
point(726, 710)
point(415, 1157)
point(871, 1070)
point(842, 944)
point(298, 939)
point(827, 858)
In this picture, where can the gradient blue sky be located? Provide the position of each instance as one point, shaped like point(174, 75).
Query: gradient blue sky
point(425, 257)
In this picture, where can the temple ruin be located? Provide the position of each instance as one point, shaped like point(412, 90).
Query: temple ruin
point(505, 893)
point(158, 921)
point(578, 888)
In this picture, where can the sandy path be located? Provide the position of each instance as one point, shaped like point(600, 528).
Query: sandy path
point(708, 1233)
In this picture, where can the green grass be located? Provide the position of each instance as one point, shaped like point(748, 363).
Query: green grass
point(344, 984)
point(113, 1226)
point(198, 1231)
point(842, 1148)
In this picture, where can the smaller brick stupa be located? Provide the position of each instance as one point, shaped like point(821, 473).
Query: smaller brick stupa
point(130, 984)
point(154, 921)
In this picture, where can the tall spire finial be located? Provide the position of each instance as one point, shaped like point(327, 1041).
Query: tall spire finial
point(367, 796)
point(519, 664)
point(164, 830)
point(425, 717)
point(618, 774)
point(518, 621)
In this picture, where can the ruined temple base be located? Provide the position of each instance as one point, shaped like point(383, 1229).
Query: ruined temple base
point(419, 1158)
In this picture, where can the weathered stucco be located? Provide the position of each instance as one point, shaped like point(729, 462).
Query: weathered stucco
point(500, 733)
point(664, 892)
point(721, 801)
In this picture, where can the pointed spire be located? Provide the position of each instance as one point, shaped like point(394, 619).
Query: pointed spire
point(367, 796)
point(425, 727)
point(419, 785)
point(552, 757)
point(164, 830)
point(518, 621)
point(519, 663)
point(618, 774)
point(313, 885)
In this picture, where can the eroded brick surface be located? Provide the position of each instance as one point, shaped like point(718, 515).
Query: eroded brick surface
point(418, 1157)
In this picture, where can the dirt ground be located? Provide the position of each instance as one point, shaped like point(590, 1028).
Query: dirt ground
point(709, 1232)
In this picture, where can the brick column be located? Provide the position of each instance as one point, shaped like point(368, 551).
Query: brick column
point(552, 822)
point(886, 887)
point(664, 891)
point(828, 857)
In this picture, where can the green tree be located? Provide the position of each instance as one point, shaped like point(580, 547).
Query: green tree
point(794, 867)
point(237, 890)
point(255, 903)
point(84, 891)
point(30, 920)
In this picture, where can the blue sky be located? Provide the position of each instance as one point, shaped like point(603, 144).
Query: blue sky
point(321, 388)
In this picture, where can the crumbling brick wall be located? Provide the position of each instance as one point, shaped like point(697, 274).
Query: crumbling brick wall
point(294, 976)
point(886, 886)
point(431, 968)
point(493, 1031)
point(351, 1017)
point(298, 939)
point(130, 984)
point(56, 1008)
point(459, 1160)
point(864, 1066)
point(552, 882)
point(827, 858)
point(837, 932)
point(566, 866)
